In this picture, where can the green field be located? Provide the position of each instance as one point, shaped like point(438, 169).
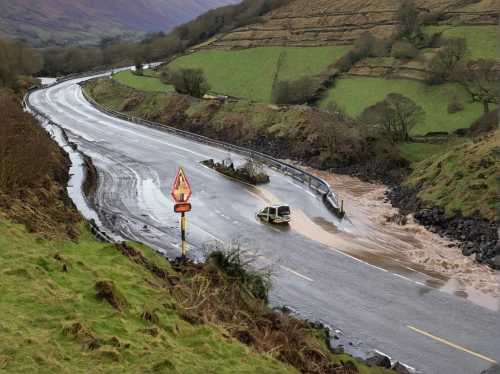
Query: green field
point(145, 83)
point(482, 40)
point(416, 152)
point(249, 73)
point(356, 93)
point(52, 321)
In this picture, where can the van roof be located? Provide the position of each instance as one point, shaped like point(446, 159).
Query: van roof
point(278, 205)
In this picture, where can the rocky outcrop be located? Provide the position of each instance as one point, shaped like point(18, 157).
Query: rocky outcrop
point(475, 235)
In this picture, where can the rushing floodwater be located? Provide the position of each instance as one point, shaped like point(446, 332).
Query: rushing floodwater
point(410, 250)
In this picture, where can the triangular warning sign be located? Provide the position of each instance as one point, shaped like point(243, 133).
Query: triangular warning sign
point(181, 191)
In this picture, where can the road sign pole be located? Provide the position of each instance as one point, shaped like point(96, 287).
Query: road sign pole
point(183, 235)
point(181, 193)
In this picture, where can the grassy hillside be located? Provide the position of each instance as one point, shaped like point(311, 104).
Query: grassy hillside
point(320, 22)
point(464, 178)
point(356, 93)
point(250, 73)
point(482, 40)
point(55, 322)
point(87, 21)
point(144, 83)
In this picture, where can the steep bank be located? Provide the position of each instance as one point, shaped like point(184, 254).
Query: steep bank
point(33, 176)
point(456, 194)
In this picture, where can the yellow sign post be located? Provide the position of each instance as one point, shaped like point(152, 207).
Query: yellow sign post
point(181, 192)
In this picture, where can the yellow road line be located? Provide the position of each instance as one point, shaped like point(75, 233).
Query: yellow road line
point(258, 197)
point(308, 219)
point(452, 344)
point(206, 233)
point(264, 258)
point(273, 228)
point(287, 269)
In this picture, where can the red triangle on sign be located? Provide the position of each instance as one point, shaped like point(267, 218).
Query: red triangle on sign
point(181, 192)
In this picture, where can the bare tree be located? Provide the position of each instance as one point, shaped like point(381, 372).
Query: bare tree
point(454, 50)
point(458, 47)
point(396, 115)
point(480, 80)
point(407, 16)
point(338, 131)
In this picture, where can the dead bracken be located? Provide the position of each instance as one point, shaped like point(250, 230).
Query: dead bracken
point(106, 290)
point(83, 335)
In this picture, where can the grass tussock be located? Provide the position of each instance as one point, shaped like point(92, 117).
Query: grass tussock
point(83, 335)
point(107, 291)
point(225, 291)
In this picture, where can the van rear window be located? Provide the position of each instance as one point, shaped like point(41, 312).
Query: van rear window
point(284, 211)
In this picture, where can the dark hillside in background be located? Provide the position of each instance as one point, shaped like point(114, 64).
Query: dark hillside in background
point(85, 22)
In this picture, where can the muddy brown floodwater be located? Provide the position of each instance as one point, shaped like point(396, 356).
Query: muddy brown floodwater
point(409, 250)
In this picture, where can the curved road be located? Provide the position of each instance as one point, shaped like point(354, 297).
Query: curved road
point(323, 266)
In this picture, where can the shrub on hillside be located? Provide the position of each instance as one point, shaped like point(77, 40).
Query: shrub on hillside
point(190, 81)
point(365, 45)
point(404, 50)
point(486, 123)
point(455, 107)
point(301, 91)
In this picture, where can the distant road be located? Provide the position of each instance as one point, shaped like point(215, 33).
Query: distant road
point(374, 306)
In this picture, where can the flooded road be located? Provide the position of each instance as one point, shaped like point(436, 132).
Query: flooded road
point(362, 275)
point(410, 250)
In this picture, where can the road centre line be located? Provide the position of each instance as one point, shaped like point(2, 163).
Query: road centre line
point(397, 275)
point(262, 257)
point(258, 197)
point(178, 154)
point(287, 269)
point(451, 344)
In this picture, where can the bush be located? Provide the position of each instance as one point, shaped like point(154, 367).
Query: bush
point(364, 46)
point(300, 91)
point(455, 107)
point(486, 123)
point(432, 18)
point(235, 263)
point(404, 50)
point(344, 64)
point(282, 93)
point(189, 81)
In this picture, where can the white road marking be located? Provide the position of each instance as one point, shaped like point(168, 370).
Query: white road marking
point(310, 193)
point(178, 155)
point(397, 275)
point(235, 208)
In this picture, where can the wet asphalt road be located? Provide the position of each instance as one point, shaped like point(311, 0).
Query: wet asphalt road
point(137, 166)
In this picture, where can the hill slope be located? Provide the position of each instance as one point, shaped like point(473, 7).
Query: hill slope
point(324, 22)
point(87, 21)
